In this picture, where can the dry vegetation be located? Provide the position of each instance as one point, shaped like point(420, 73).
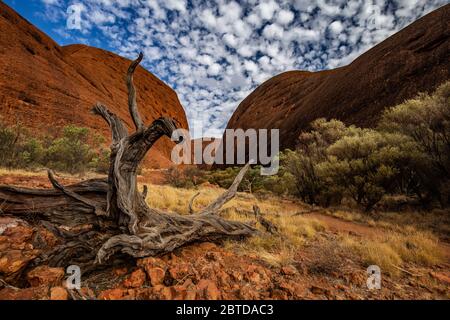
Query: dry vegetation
point(395, 240)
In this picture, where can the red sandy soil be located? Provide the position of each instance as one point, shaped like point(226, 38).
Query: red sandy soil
point(207, 271)
point(40, 179)
point(416, 59)
point(45, 86)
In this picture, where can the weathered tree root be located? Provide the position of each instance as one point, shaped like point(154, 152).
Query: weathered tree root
point(102, 219)
point(269, 226)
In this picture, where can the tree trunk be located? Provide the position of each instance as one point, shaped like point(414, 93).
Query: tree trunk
point(102, 219)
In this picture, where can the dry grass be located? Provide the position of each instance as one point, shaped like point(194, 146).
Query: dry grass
point(395, 245)
point(177, 200)
point(437, 220)
point(275, 250)
point(295, 231)
point(403, 238)
point(21, 172)
point(279, 250)
point(43, 173)
point(391, 250)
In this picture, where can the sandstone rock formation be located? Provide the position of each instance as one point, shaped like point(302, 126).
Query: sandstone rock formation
point(416, 59)
point(42, 83)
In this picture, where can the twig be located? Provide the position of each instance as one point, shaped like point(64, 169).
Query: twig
point(407, 272)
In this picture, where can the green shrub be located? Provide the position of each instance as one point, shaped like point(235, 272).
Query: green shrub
point(8, 145)
point(334, 161)
point(101, 161)
point(368, 165)
point(31, 153)
point(426, 120)
point(71, 152)
point(75, 151)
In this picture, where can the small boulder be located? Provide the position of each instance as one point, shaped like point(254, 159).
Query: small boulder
point(44, 275)
point(208, 289)
point(34, 293)
point(136, 279)
point(156, 276)
point(112, 294)
point(58, 293)
point(288, 270)
point(179, 271)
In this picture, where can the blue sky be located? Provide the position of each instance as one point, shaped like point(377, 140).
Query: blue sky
point(215, 53)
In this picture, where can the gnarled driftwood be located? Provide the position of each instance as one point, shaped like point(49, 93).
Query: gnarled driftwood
point(99, 219)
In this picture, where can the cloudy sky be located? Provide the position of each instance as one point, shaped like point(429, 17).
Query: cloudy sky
point(214, 53)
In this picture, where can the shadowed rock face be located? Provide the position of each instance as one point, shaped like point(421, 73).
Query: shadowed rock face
point(417, 59)
point(45, 86)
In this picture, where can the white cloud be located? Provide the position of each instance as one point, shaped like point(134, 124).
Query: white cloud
point(285, 17)
point(178, 5)
point(214, 69)
point(267, 9)
point(273, 31)
point(230, 40)
point(336, 27)
point(214, 53)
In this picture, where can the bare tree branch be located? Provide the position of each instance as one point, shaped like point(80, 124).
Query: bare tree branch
point(132, 102)
point(118, 129)
point(214, 207)
point(191, 203)
point(94, 205)
point(269, 226)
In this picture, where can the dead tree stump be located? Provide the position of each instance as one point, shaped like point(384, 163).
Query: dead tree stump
point(100, 220)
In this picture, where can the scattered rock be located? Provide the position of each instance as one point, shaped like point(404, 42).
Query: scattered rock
point(289, 270)
point(13, 261)
point(179, 271)
point(248, 293)
point(16, 248)
point(136, 279)
point(45, 239)
point(113, 294)
point(34, 293)
point(156, 276)
point(208, 289)
point(58, 293)
point(319, 291)
point(151, 262)
point(441, 277)
point(44, 275)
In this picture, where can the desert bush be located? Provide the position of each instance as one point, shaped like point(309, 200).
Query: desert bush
point(252, 182)
point(194, 175)
point(222, 178)
point(174, 177)
point(8, 141)
point(188, 177)
point(31, 153)
point(426, 120)
point(75, 151)
point(301, 173)
point(334, 161)
point(70, 153)
point(100, 161)
point(368, 165)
